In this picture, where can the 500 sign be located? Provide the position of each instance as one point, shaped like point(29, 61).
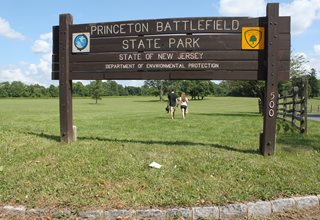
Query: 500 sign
point(271, 111)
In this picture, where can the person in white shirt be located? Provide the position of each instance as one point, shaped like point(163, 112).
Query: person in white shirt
point(183, 101)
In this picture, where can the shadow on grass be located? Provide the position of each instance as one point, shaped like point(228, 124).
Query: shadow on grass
point(295, 142)
point(174, 143)
point(164, 102)
point(245, 114)
point(47, 136)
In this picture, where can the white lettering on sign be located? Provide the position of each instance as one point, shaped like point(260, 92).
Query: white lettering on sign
point(165, 66)
point(186, 43)
point(119, 66)
point(190, 56)
point(140, 44)
point(124, 28)
point(134, 56)
point(130, 56)
point(197, 25)
point(154, 43)
point(165, 56)
point(203, 65)
point(161, 27)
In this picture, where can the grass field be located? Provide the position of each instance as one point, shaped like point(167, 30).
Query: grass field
point(209, 158)
point(314, 106)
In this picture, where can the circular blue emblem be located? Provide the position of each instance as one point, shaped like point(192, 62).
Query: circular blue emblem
point(80, 42)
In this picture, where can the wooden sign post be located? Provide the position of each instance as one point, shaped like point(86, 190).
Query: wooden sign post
point(210, 48)
point(65, 83)
point(268, 137)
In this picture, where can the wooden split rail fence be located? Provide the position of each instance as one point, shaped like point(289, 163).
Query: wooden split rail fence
point(293, 108)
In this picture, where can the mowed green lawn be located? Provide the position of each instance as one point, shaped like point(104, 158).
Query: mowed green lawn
point(209, 158)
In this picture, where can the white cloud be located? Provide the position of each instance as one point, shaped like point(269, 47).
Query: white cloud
point(316, 48)
point(46, 36)
point(43, 45)
point(8, 32)
point(303, 12)
point(242, 8)
point(42, 68)
point(136, 83)
point(314, 60)
point(14, 74)
point(31, 73)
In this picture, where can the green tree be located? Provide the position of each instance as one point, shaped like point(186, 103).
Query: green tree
point(199, 89)
point(244, 88)
point(132, 90)
point(145, 90)
point(122, 91)
point(96, 90)
point(297, 66)
point(17, 89)
point(158, 87)
point(218, 89)
point(35, 90)
point(53, 91)
point(4, 89)
point(297, 71)
point(313, 84)
point(111, 88)
point(185, 86)
point(253, 39)
point(78, 89)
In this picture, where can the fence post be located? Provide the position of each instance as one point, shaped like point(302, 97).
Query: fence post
point(294, 105)
point(278, 104)
point(304, 106)
point(285, 105)
point(260, 106)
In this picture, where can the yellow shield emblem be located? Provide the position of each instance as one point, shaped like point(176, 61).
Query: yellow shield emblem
point(252, 38)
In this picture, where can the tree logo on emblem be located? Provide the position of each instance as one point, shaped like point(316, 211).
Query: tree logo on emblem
point(253, 37)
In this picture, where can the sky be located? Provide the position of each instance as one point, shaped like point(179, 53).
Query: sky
point(26, 27)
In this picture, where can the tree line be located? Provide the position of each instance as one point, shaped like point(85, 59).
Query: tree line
point(108, 88)
point(196, 89)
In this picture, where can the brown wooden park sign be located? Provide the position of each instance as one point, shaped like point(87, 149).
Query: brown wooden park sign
point(205, 48)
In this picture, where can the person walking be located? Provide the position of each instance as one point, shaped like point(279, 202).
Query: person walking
point(183, 101)
point(172, 101)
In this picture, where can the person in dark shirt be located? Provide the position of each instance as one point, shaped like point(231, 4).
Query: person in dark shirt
point(172, 101)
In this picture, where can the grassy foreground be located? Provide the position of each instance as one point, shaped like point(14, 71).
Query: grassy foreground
point(209, 158)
